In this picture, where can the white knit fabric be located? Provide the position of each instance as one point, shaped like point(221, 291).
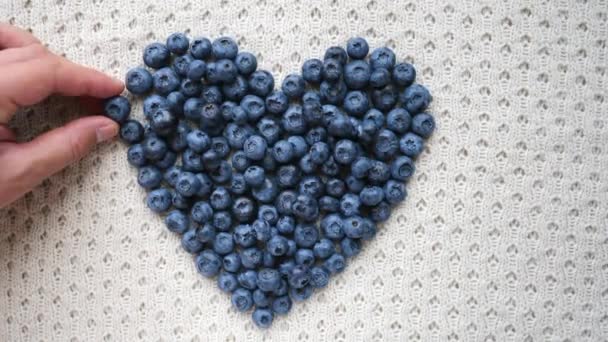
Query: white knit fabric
point(504, 235)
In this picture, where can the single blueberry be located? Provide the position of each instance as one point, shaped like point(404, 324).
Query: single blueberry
point(198, 141)
point(299, 276)
point(232, 262)
point(293, 86)
point(131, 131)
point(371, 195)
point(206, 233)
point(332, 70)
point(301, 294)
point(190, 243)
point(212, 94)
point(197, 69)
point(267, 192)
point(319, 152)
point(286, 225)
point(227, 282)
point(268, 213)
point(281, 305)
point(268, 280)
point(136, 155)
point(242, 299)
point(329, 204)
point(156, 55)
point(381, 212)
point(288, 176)
point(402, 168)
point(411, 144)
point(192, 108)
point(330, 168)
point(178, 43)
point(165, 80)
point(181, 64)
point(261, 83)
point(200, 48)
point(337, 53)
point(385, 98)
point(236, 135)
point(311, 186)
point(117, 108)
point(223, 243)
point(355, 185)
point(159, 200)
point(305, 257)
point(350, 247)
point(222, 173)
point(319, 277)
point(357, 74)
point(177, 221)
point(187, 184)
point(261, 299)
point(423, 124)
point(222, 220)
point(243, 209)
point(305, 208)
point(349, 205)
point(379, 173)
point(335, 263)
point(357, 48)
point(262, 318)
point(293, 120)
point(312, 70)
point(306, 235)
point(201, 212)
point(244, 235)
point(394, 192)
point(386, 144)
point(261, 229)
point(269, 129)
point(246, 63)
point(138, 81)
point(190, 88)
point(236, 90)
point(316, 134)
point(277, 245)
point(333, 93)
point(224, 47)
point(345, 152)
point(380, 78)
point(154, 148)
point(226, 71)
point(415, 98)
point(191, 161)
point(251, 258)
point(382, 57)
point(282, 151)
point(353, 227)
point(324, 248)
point(208, 263)
point(398, 120)
point(404, 74)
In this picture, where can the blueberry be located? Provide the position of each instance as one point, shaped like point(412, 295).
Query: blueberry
point(117, 108)
point(301, 294)
point(262, 299)
point(198, 141)
point(187, 184)
point(349, 205)
point(333, 93)
point(335, 263)
point(319, 277)
point(206, 233)
point(369, 229)
point(312, 70)
point(251, 258)
point(404, 74)
point(299, 276)
point(191, 161)
point(135, 155)
point(240, 161)
point(254, 107)
point(180, 202)
point(277, 102)
point(345, 152)
point(222, 220)
point(241, 299)
point(190, 243)
point(281, 305)
point(178, 43)
point(159, 200)
point(293, 86)
point(371, 195)
point(166, 161)
point(332, 70)
point(360, 167)
point(220, 146)
point(227, 282)
point(246, 63)
point(312, 108)
point(236, 135)
point(357, 48)
point(415, 98)
point(262, 318)
point(206, 185)
point(269, 129)
point(254, 176)
point(316, 134)
point(156, 55)
point(190, 88)
point(311, 186)
point(293, 120)
point(236, 90)
point(138, 81)
point(306, 235)
point(357, 74)
point(398, 120)
point(162, 120)
point(268, 280)
point(193, 108)
point(131, 131)
point(267, 192)
point(268, 213)
point(171, 175)
point(200, 48)
point(402, 168)
point(353, 227)
point(261, 83)
point(288, 176)
point(212, 94)
point(261, 228)
point(223, 243)
point(350, 247)
point(201, 212)
point(330, 168)
point(154, 148)
point(380, 78)
point(221, 174)
point(226, 71)
point(300, 148)
point(286, 225)
point(220, 199)
point(379, 173)
point(381, 212)
point(175, 101)
point(325, 247)
point(337, 53)
point(394, 192)
point(196, 70)
point(165, 80)
point(177, 221)
point(423, 124)
point(248, 279)
point(385, 98)
point(305, 257)
point(386, 144)
point(181, 65)
point(243, 209)
point(305, 208)
point(232, 262)
point(277, 245)
point(213, 73)
point(355, 185)
point(382, 57)
point(224, 47)
point(329, 204)
point(208, 263)
point(282, 151)
point(411, 144)
point(210, 117)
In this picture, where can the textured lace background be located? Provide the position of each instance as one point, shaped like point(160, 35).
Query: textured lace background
point(504, 236)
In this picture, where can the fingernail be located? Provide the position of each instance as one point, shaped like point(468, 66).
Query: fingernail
point(106, 132)
point(117, 81)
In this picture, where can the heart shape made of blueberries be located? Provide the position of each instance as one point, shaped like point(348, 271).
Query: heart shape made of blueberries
point(272, 191)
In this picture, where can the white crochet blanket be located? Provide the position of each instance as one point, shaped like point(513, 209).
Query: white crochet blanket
point(504, 235)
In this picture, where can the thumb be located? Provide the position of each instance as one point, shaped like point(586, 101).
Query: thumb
point(56, 149)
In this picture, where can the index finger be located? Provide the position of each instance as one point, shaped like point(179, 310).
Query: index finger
point(12, 37)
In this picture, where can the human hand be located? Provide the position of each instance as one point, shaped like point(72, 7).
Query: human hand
point(31, 73)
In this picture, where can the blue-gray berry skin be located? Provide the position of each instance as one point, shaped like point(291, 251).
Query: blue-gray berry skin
point(165, 80)
point(423, 124)
point(159, 200)
point(212, 94)
point(236, 90)
point(223, 243)
point(224, 47)
point(333, 227)
point(355, 185)
point(178, 43)
point(357, 74)
point(177, 221)
point(268, 280)
point(222, 220)
point(337, 53)
point(268, 213)
point(353, 227)
point(206, 185)
point(332, 70)
point(411, 144)
point(293, 86)
point(319, 277)
point(335, 263)
point(166, 161)
point(381, 212)
point(220, 198)
point(350, 247)
point(379, 78)
point(333, 92)
point(226, 71)
point(345, 152)
point(305, 257)
point(248, 279)
point(254, 106)
point(181, 65)
point(261, 83)
point(267, 192)
point(402, 168)
point(201, 212)
point(261, 299)
point(299, 276)
point(379, 173)
point(156, 55)
point(244, 235)
point(277, 102)
point(241, 299)
point(162, 120)
point(286, 225)
point(153, 103)
point(404, 74)
point(281, 305)
point(283, 151)
point(270, 129)
point(312, 71)
point(285, 200)
point(227, 282)
point(197, 69)
point(382, 57)
point(236, 135)
point(149, 177)
point(193, 108)
point(190, 88)
point(301, 294)
point(222, 173)
point(251, 258)
point(198, 141)
point(208, 263)
point(329, 204)
point(293, 120)
point(386, 144)
point(255, 148)
point(415, 98)
point(154, 148)
point(349, 205)
point(319, 152)
point(305, 208)
point(306, 235)
point(117, 108)
point(369, 229)
point(131, 132)
point(200, 48)
point(187, 184)
point(394, 191)
point(175, 102)
point(316, 134)
point(262, 318)
point(190, 242)
point(385, 98)
point(324, 248)
point(357, 48)
point(371, 195)
point(398, 120)
point(191, 161)
point(232, 262)
point(277, 245)
point(180, 202)
point(138, 81)
point(243, 209)
point(311, 186)
point(135, 155)
point(206, 234)
point(246, 63)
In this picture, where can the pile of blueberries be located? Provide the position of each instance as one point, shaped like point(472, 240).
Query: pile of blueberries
point(272, 190)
